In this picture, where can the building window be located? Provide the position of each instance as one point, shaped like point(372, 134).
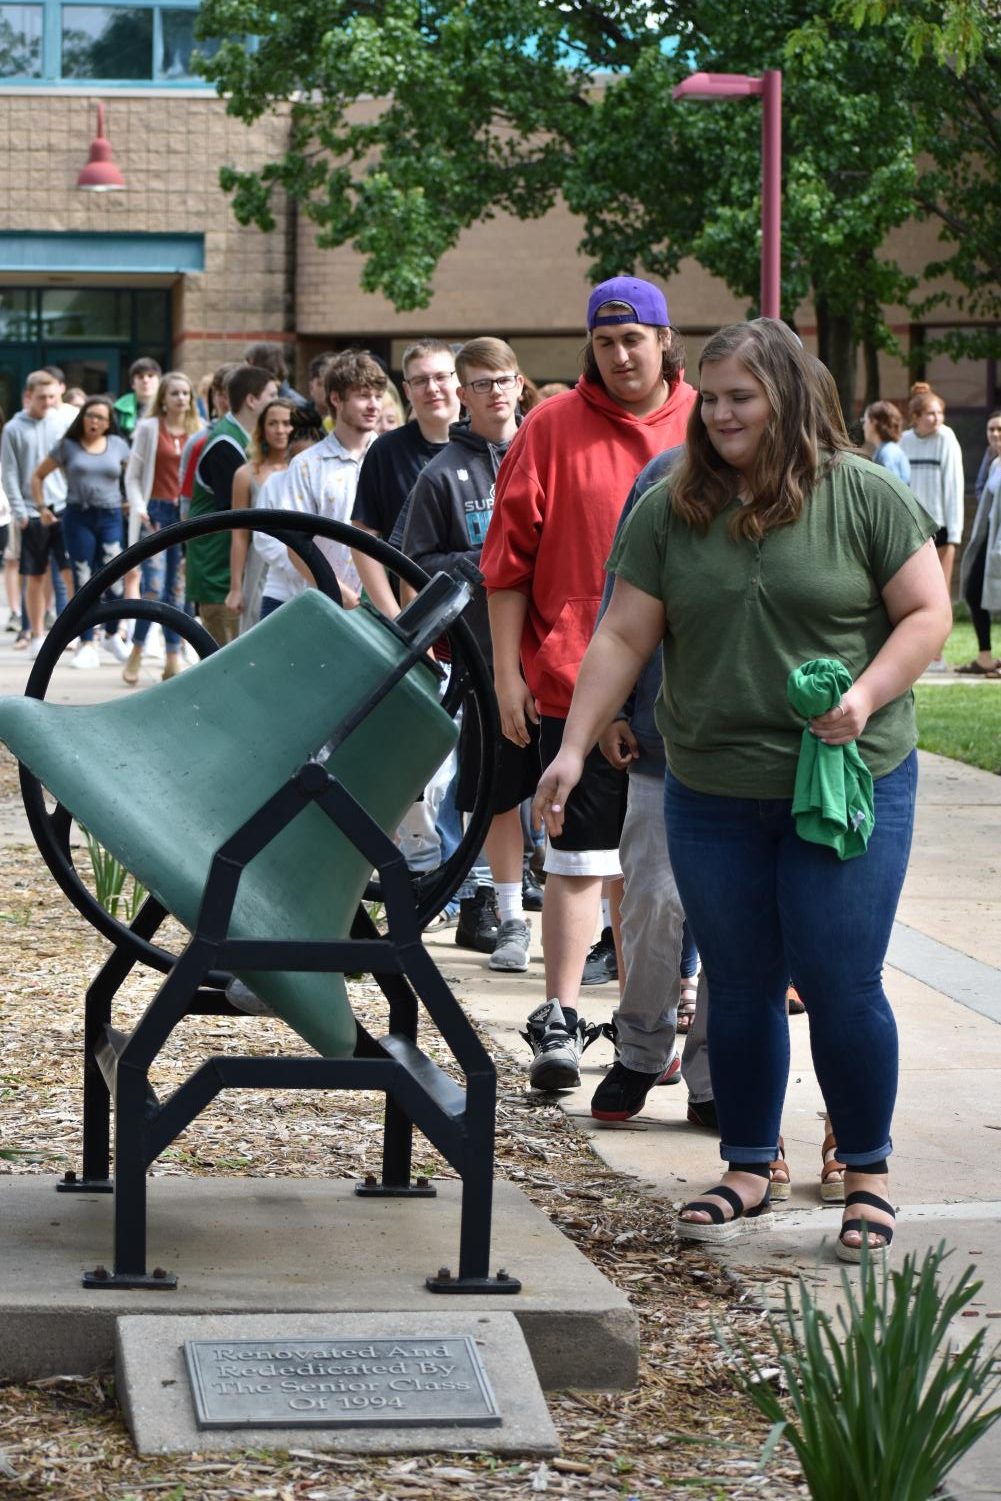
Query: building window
point(21, 41)
point(135, 41)
point(105, 41)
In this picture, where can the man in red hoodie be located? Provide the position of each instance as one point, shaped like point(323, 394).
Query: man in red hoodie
point(559, 495)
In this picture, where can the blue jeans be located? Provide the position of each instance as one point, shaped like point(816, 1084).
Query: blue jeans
point(162, 575)
point(763, 904)
point(689, 953)
point(92, 536)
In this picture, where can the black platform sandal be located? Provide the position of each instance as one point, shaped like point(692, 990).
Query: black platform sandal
point(720, 1230)
point(866, 1228)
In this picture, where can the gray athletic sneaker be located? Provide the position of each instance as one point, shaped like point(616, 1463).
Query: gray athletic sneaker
point(556, 1064)
point(511, 951)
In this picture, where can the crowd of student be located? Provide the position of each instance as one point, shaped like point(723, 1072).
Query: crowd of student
point(747, 542)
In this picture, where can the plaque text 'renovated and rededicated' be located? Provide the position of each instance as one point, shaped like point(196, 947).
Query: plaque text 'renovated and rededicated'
point(329, 1383)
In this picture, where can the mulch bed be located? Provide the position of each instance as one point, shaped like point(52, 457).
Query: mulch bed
point(684, 1431)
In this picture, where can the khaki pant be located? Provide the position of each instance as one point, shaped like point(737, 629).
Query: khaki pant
point(222, 624)
point(652, 919)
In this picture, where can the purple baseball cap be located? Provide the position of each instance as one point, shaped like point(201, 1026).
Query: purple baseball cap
point(646, 302)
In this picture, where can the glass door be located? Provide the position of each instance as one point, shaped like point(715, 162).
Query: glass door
point(95, 368)
point(15, 367)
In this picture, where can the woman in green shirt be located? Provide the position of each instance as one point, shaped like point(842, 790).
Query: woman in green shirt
point(771, 544)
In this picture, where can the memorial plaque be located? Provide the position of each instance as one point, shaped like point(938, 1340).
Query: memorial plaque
point(333, 1383)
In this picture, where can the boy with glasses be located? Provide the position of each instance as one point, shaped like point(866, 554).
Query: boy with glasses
point(448, 513)
point(397, 458)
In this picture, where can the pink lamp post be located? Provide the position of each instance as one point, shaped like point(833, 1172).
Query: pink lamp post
point(769, 86)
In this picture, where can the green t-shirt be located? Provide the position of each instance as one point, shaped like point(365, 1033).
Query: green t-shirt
point(742, 615)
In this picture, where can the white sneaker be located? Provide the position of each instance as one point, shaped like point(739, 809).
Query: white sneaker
point(244, 999)
point(87, 656)
point(556, 1064)
point(154, 650)
point(939, 665)
point(511, 949)
point(35, 646)
point(118, 647)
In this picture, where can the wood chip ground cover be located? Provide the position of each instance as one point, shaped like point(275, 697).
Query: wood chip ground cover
point(684, 1431)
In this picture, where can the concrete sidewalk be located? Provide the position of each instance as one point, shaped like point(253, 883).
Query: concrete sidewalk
point(944, 977)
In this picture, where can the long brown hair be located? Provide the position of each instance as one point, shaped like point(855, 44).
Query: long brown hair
point(259, 449)
point(797, 444)
point(156, 408)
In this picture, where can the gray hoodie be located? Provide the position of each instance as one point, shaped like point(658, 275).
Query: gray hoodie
point(25, 443)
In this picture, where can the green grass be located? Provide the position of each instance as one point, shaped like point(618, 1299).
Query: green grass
point(961, 720)
point(961, 646)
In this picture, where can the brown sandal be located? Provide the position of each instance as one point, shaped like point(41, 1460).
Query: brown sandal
point(832, 1173)
point(778, 1175)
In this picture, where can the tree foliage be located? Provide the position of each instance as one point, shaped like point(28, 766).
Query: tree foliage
point(411, 120)
point(478, 99)
point(656, 181)
point(961, 188)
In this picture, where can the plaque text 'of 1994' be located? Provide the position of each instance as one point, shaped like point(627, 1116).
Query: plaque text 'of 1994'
point(329, 1383)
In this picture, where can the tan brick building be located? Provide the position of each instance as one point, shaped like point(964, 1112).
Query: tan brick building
point(91, 280)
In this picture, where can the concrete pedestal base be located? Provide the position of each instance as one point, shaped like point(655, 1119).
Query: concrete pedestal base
point(263, 1245)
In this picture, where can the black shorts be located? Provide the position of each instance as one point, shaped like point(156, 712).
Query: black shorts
point(941, 538)
point(517, 775)
point(39, 543)
point(592, 820)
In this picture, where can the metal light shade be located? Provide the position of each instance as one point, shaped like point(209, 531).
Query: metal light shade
point(716, 86)
point(102, 173)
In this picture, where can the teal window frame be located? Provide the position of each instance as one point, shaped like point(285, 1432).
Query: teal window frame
point(52, 33)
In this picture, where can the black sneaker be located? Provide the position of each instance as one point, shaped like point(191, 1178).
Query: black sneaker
point(556, 1051)
point(703, 1113)
point(622, 1093)
point(601, 965)
point(531, 891)
point(477, 925)
point(670, 1075)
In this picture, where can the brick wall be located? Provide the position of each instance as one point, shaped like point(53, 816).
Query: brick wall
point(169, 148)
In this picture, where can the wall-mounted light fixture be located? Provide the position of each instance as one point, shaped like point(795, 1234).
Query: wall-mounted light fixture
point(102, 173)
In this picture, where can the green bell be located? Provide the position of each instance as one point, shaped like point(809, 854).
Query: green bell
point(163, 778)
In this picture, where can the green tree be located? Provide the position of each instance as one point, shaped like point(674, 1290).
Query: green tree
point(952, 32)
point(656, 181)
point(411, 120)
point(477, 102)
point(961, 189)
point(951, 84)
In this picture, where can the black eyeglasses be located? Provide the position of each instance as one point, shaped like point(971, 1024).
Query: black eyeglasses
point(502, 382)
point(441, 378)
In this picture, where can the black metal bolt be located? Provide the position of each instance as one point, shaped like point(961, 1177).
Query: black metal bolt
point(69, 1177)
point(100, 1273)
point(422, 1183)
point(502, 1275)
point(444, 1274)
point(370, 1180)
point(159, 1273)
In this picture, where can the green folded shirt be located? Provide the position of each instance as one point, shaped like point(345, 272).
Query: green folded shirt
point(832, 800)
